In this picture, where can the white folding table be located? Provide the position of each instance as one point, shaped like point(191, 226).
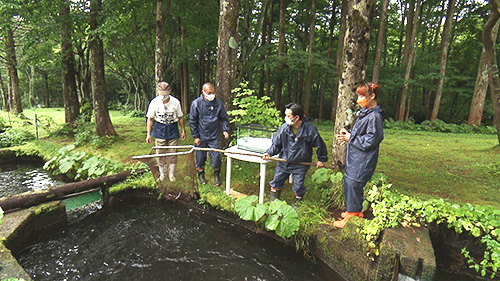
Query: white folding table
point(248, 158)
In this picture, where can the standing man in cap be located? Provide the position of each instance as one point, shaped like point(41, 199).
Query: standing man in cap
point(164, 112)
point(206, 117)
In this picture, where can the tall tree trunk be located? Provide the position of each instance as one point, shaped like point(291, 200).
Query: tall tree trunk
point(408, 58)
point(3, 92)
point(262, 71)
point(338, 62)
point(300, 81)
point(69, 89)
point(201, 70)
point(281, 54)
point(356, 44)
point(481, 87)
point(402, 28)
point(445, 44)
point(269, 39)
point(13, 78)
point(159, 43)
point(329, 57)
point(492, 67)
point(380, 40)
point(309, 61)
point(184, 72)
point(46, 99)
point(103, 124)
point(226, 51)
point(31, 86)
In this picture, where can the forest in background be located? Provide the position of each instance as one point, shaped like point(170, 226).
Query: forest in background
point(288, 50)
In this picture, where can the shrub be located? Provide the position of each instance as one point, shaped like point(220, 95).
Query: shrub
point(13, 137)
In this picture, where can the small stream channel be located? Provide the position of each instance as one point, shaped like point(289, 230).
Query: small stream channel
point(22, 176)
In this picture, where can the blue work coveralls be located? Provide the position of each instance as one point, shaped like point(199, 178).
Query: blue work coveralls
point(362, 155)
point(205, 120)
point(297, 148)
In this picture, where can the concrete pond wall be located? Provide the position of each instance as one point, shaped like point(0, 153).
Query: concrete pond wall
point(403, 251)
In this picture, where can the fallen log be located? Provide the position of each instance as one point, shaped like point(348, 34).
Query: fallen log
point(32, 198)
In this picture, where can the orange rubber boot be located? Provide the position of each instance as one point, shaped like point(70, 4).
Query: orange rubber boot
point(351, 214)
point(346, 216)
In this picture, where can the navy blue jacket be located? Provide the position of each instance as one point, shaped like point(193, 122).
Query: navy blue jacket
point(298, 148)
point(363, 146)
point(206, 118)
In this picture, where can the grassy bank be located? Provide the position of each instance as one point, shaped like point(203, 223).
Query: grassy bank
point(458, 167)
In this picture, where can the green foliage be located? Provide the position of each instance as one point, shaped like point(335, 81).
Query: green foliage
point(3, 123)
point(249, 209)
point(282, 218)
point(330, 187)
point(251, 109)
point(81, 165)
point(85, 133)
point(13, 137)
point(391, 209)
point(437, 126)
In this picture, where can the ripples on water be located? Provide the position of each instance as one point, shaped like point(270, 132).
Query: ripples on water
point(163, 241)
point(21, 177)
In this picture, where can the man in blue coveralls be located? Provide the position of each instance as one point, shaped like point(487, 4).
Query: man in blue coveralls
point(294, 141)
point(206, 117)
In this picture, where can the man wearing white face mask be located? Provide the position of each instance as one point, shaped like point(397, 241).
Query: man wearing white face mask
point(294, 142)
point(164, 112)
point(206, 117)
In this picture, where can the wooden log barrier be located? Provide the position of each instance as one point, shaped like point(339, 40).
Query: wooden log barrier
point(32, 198)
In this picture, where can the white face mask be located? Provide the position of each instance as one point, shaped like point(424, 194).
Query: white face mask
point(210, 97)
point(289, 121)
point(164, 97)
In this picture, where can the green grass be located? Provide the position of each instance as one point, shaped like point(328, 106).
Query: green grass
point(458, 167)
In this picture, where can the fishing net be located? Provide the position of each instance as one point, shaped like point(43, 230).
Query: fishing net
point(184, 185)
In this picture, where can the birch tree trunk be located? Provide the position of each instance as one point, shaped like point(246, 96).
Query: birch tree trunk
point(281, 54)
point(356, 44)
point(269, 39)
point(380, 40)
point(481, 87)
point(492, 67)
point(69, 89)
point(226, 51)
point(15, 105)
point(103, 124)
point(445, 45)
point(338, 61)
point(309, 61)
point(159, 43)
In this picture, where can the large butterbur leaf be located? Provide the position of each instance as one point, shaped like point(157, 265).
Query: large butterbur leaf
point(249, 209)
point(284, 221)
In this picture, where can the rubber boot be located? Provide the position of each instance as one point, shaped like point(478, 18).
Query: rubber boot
point(296, 202)
point(217, 180)
point(171, 172)
point(345, 214)
point(163, 172)
point(275, 194)
point(201, 176)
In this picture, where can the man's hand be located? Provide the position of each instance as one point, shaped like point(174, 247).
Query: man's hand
point(266, 156)
point(319, 164)
point(344, 136)
point(148, 139)
point(183, 135)
point(197, 141)
point(226, 135)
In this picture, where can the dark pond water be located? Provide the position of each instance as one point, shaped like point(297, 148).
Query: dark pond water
point(22, 176)
point(163, 241)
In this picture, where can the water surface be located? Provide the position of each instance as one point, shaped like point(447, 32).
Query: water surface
point(163, 241)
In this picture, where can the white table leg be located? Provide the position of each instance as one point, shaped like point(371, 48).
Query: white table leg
point(262, 182)
point(228, 175)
